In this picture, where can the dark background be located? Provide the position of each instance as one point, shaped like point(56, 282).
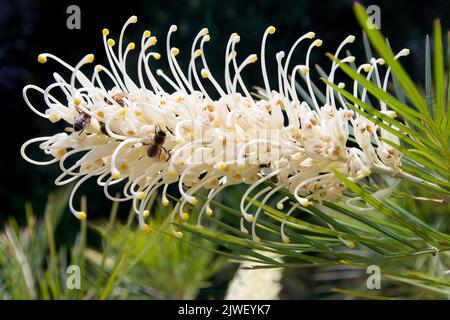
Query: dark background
point(28, 28)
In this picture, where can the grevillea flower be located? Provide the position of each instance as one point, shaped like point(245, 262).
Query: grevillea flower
point(137, 133)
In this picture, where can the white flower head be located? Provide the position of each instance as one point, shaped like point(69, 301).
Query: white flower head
point(140, 135)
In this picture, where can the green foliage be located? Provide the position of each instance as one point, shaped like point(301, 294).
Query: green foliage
point(129, 264)
point(30, 264)
point(152, 265)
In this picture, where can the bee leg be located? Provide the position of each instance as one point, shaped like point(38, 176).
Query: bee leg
point(169, 130)
point(168, 155)
point(159, 154)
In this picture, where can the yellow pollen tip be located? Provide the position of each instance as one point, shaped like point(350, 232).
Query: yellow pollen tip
point(105, 32)
point(310, 35)
point(173, 28)
point(271, 30)
point(131, 45)
point(116, 174)
point(286, 240)
point(153, 41)
point(165, 202)
point(207, 38)
point(178, 234)
point(147, 34)
point(280, 206)
point(157, 56)
point(251, 219)
point(305, 202)
point(111, 42)
point(53, 117)
point(405, 52)
point(77, 101)
point(350, 244)
point(253, 58)
point(351, 59)
point(175, 51)
point(185, 216)
point(209, 212)
point(42, 58)
point(194, 201)
point(221, 166)
point(98, 69)
point(146, 213)
point(90, 58)
point(204, 73)
point(133, 19)
point(304, 70)
point(141, 195)
point(367, 68)
point(122, 111)
point(318, 42)
point(81, 215)
point(172, 174)
point(197, 53)
point(205, 31)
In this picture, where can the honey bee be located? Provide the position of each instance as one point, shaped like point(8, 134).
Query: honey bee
point(155, 147)
point(80, 122)
point(119, 98)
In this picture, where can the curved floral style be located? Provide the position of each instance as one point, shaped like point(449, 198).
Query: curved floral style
point(139, 134)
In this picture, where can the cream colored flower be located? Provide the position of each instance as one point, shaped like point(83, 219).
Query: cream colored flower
point(211, 139)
